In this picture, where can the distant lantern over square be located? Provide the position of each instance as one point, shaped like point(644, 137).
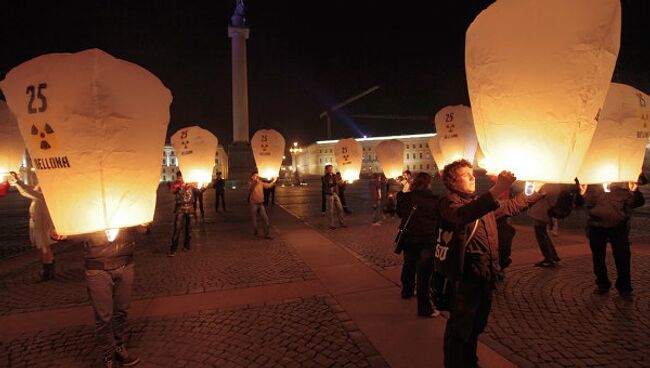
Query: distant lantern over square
point(348, 154)
point(618, 147)
point(12, 147)
point(456, 134)
point(391, 157)
point(537, 73)
point(268, 148)
point(94, 126)
point(196, 149)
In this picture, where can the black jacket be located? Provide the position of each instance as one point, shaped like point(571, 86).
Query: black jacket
point(477, 261)
point(611, 209)
point(422, 230)
point(113, 254)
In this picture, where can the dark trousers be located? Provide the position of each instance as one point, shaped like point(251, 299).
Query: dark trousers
point(506, 235)
point(110, 296)
point(322, 206)
point(219, 197)
point(544, 241)
point(199, 198)
point(269, 196)
point(619, 238)
point(181, 219)
point(469, 312)
point(417, 271)
point(344, 203)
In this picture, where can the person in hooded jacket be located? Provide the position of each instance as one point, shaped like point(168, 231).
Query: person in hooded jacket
point(609, 221)
point(418, 242)
point(468, 254)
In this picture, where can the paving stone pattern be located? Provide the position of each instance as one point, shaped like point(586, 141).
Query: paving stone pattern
point(306, 332)
point(551, 318)
point(237, 259)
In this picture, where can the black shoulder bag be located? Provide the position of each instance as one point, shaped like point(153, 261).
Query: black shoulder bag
point(399, 247)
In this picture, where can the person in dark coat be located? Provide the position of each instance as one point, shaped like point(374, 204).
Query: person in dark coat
point(468, 254)
point(418, 242)
point(219, 192)
point(609, 221)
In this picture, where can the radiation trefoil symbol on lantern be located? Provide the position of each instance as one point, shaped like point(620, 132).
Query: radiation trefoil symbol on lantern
point(450, 126)
point(346, 156)
point(43, 134)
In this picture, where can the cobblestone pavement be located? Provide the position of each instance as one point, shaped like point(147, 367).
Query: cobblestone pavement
point(233, 258)
point(551, 318)
point(306, 332)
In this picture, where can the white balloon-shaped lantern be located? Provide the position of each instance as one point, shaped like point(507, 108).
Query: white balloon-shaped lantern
point(94, 127)
point(538, 72)
point(11, 143)
point(196, 149)
point(268, 148)
point(348, 154)
point(618, 146)
point(391, 157)
point(438, 157)
point(457, 137)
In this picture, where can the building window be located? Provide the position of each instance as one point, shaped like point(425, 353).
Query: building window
point(320, 160)
point(428, 166)
point(420, 145)
point(164, 161)
point(420, 153)
point(408, 167)
point(407, 146)
point(427, 145)
point(420, 166)
point(428, 155)
point(407, 156)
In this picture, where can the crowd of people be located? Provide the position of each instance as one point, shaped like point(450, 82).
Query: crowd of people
point(455, 247)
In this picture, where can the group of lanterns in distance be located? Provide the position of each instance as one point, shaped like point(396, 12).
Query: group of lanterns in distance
point(538, 77)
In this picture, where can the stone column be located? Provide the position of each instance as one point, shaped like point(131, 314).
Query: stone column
point(238, 36)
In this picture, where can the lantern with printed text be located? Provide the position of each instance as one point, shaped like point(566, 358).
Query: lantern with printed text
point(391, 157)
point(618, 146)
point(195, 149)
point(268, 148)
point(11, 143)
point(457, 137)
point(537, 73)
point(94, 126)
point(348, 154)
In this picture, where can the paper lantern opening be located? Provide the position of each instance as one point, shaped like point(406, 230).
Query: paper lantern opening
point(390, 154)
point(348, 155)
point(195, 149)
point(268, 149)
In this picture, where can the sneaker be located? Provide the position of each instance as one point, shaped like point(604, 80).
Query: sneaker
point(343, 225)
point(171, 254)
point(626, 294)
point(376, 223)
point(545, 263)
point(332, 227)
point(554, 233)
point(122, 356)
point(435, 313)
point(108, 361)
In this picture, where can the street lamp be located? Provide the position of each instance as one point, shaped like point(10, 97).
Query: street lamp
point(294, 150)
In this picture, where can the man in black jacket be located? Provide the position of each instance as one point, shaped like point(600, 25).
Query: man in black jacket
point(468, 254)
point(219, 192)
point(609, 221)
point(109, 276)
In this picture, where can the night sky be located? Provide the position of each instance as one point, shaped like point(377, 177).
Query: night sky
point(303, 56)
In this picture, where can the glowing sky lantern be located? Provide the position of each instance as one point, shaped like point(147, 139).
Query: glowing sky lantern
point(537, 73)
point(438, 157)
point(390, 154)
point(11, 143)
point(619, 144)
point(348, 154)
point(268, 148)
point(94, 127)
point(457, 137)
point(195, 149)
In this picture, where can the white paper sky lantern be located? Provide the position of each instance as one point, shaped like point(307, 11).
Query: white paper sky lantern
point(348, 154)
point(391, 157)
point(195, 149)
point(11, 143)
point(537, 73)
point(438, 157)
point(94, 127)
point(268, 148)
point(457, 137)
point(618, 146)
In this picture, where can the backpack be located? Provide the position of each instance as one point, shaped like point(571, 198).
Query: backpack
point(564, 205)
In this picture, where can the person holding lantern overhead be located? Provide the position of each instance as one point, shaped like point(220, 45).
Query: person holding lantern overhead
point(184, 194)
point(609, 221)
point(256, 200)
point(332, 200)
point(41, 229)
point(109, 270)
point(467, 254)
